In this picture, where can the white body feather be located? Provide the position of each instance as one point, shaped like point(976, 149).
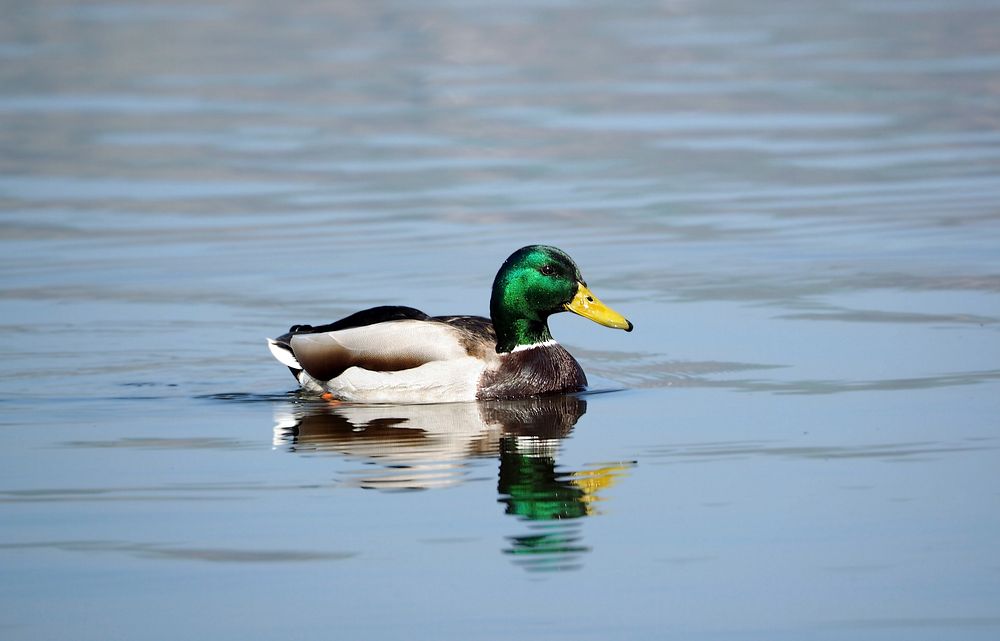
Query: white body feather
point(447, 381)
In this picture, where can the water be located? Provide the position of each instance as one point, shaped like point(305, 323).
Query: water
point(795, 203)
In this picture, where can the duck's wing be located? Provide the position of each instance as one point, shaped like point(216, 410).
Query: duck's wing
point(382, 339)
point(281, 347)
point(381, 347)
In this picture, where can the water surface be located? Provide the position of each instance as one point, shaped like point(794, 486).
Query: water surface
point(795, 203)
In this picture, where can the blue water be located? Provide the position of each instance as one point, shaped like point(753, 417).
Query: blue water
point(795, 203)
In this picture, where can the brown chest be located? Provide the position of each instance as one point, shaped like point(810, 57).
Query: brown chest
point(529, 372)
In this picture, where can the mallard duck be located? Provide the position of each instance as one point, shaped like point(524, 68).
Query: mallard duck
point(395, 354)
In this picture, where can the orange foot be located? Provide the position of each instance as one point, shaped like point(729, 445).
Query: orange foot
point(328, 397)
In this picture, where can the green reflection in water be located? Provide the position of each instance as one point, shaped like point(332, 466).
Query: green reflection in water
point(532, 488)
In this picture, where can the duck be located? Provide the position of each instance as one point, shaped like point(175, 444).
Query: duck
point(398, 354)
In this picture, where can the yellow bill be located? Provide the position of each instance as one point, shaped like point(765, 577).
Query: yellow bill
point(589, 306)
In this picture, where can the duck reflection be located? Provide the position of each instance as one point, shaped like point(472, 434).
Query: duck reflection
point(432, 446)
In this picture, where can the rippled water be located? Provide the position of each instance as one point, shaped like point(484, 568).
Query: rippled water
point(796, 203)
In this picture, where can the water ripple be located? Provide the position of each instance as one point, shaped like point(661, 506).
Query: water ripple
point(171, 553)
point(889, 452)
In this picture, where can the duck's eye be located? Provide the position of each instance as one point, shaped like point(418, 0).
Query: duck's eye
point(547, 270)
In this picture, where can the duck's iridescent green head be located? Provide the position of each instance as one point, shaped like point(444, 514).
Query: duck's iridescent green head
point(535, 282)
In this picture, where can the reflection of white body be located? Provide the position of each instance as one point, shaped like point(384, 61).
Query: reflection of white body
point(424, 446)
point(416, 446)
